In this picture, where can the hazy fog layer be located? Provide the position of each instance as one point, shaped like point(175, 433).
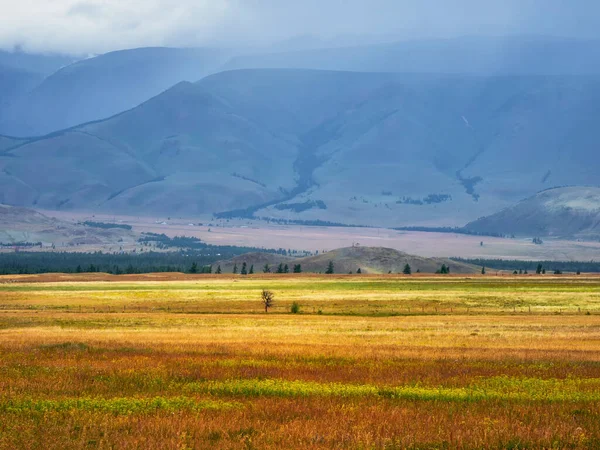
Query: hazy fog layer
point(95, 26)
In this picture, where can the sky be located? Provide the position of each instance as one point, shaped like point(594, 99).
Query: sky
point(97, 26)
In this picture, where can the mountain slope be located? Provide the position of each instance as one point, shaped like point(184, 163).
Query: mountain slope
point(105, 85)
point(355, 148)
point(563, 212)
point(14, 83)
point(185, 150)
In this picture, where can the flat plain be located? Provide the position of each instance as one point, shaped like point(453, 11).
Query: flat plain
point(177, 361)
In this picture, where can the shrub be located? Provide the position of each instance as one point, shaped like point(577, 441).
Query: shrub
point(295, 309)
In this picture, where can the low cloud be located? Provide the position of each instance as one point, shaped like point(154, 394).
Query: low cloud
point(95, 26)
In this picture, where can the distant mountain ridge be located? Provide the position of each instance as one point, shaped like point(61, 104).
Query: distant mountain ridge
point(69, 91)
point(361, 148)
point(99, 87)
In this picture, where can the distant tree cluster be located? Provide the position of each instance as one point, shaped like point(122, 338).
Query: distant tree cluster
point(189, 260)
point(444, 270)
point(429, 200)
point(455, 230)
point(539, 267)
point(103, 225)
point(301, 207)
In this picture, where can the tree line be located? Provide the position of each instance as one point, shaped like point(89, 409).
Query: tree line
point(539, 267)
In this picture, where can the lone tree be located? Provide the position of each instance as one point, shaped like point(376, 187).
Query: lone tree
point(330, 268)
point(407, 270)
point(268, 299)
point(359, 271)
point(483, 270)
point(244, 269)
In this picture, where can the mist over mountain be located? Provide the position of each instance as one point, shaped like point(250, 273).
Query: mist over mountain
point(506, 55)
point(102, 86)
point(36, 63)
point(361, 148)
point(99, 87)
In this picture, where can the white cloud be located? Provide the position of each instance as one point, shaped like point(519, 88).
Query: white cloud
point(94, 26)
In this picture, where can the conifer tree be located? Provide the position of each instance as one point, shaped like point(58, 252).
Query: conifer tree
point(330, 268)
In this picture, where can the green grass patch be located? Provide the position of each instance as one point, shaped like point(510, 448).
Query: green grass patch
point(117, 406)
point(497, 388)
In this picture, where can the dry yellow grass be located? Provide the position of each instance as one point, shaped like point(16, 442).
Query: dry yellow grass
point(154, 373)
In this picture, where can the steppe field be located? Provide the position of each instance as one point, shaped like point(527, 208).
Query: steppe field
point(368, 362)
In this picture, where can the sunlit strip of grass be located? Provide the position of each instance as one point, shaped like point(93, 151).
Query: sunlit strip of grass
point(117, 406)
point(529, 391)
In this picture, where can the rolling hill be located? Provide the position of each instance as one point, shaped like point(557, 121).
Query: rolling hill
point(345, 260)
point(355, 148)
point(24, 225)
point(99, 87)
point(571, 212)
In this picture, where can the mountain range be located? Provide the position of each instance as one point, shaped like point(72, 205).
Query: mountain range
point(429, 133)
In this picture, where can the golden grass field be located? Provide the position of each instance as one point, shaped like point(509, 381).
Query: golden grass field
point(178, 362)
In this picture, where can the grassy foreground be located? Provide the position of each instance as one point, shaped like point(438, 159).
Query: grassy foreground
point(370, 362)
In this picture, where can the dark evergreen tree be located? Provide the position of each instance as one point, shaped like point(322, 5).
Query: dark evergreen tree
point(330, 268)
point(297, 268)
point(407, 270)
point(280, 268)
point(266, 269)
point(251, 271)
point(244, 269)
point(286, 269)
point(483, 270)
point(359, 271)
point(444, 270)
point(194, 268)
point(218, 272)
point(235, 269)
